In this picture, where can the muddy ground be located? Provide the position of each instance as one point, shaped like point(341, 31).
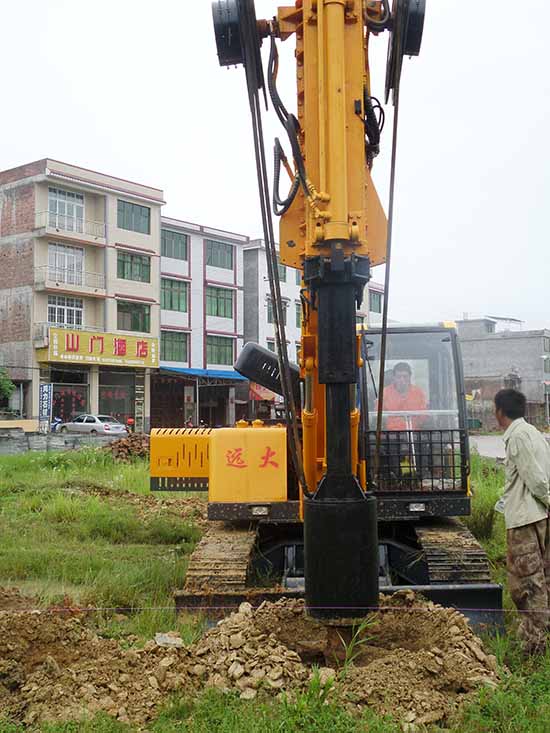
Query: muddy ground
point(416, 660)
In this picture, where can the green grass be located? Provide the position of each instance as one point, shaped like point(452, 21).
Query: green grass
point(69, 525)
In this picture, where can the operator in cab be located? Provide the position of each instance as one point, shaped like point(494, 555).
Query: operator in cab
point(525, 503)
point(402, 396)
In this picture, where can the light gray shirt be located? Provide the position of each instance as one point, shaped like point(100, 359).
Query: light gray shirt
point(526, 496)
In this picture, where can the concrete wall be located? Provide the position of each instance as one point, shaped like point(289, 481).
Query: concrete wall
point(498, 355)
point(251, 284)
point(15, 441)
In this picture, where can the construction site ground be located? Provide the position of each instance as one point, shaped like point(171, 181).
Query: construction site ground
point(89, 640)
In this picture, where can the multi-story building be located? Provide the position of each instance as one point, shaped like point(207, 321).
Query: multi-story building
point(201, 295)
point(258, 322)
point(498, 353)
point(79, 289)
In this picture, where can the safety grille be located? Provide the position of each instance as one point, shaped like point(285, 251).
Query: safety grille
point(418, 461)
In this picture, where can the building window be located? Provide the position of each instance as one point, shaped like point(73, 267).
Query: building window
point(546, 343)
point(173, 244)
point(282, 271)
point(298, 315)
point(270, 318)
point(173, 346)
point(298, 277)
point(133, 267)
point(173, 295)
point(219, 302)
point(219, 254)
point(375, 302)
point(63, 311)
point(65, 210)
point(133, 316)
point(271, 345)
point(298, 350)
point(360, 319)
point(133, 217)
point(219, 350)
point(65, 263)
point(547, 366)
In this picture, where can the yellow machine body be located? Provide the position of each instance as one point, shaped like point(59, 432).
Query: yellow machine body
point(180, 459)
point(244, 465)
point(248, 465)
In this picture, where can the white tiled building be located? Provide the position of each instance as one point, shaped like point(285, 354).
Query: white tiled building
point(201, 319)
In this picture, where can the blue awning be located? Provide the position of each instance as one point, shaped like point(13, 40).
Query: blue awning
point(229, 374)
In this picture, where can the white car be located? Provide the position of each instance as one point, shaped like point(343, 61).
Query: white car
point(94, 425)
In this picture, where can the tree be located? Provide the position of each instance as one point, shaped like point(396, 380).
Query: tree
point(7, 387)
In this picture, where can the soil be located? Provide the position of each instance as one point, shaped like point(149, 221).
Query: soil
point(415, 660)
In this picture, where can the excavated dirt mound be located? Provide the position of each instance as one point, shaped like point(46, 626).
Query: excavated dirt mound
point(12, 600)
point(417, 661)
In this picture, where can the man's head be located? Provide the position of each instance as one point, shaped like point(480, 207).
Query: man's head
point(402, 377)
point(509, 405)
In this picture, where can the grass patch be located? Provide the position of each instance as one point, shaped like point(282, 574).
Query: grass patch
point(70, 527)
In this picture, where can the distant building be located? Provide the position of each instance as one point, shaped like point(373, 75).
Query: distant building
point(201, 324)
point(79, 291)
point(497, 353)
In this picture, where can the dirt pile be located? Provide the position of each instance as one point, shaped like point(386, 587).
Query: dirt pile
point(135, 445)
point(416, 661)
point(11, 599)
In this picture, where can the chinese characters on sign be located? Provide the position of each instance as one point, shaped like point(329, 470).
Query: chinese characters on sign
point(101, 348)
point(236, 459)
point(45, 407)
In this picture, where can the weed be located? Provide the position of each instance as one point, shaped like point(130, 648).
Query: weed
point(352, 648)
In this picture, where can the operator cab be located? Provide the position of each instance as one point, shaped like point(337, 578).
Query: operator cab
point(423, 442)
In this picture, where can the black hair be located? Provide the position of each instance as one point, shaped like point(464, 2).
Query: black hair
point(402, 367)
point(511, 403)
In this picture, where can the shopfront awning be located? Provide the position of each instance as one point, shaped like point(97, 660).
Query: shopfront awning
point(230, 374)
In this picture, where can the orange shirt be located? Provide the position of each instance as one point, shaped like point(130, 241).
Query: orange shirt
point(413, 399)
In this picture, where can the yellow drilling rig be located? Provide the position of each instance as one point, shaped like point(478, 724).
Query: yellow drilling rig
point(358, 491)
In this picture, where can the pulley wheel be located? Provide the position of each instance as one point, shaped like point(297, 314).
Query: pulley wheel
point(237, 37)
point(407, 24)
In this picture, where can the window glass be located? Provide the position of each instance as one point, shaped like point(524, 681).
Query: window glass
point(65, 263)
point(375, 301)
point(63, 311)
point(298, 277)
point(219, 254)
point(133, 267)
point(271, 345)
point(133, 316)
point(270, 318)
point(89, 419)
point(219, 350)
point(133, 217)
point(298, 315)
point(282, 271)
point(173, 346)
point(420, 389)
point(173, 294)
point(219, 302)
point(173, 244)
point(65, 210)
point(80, 418)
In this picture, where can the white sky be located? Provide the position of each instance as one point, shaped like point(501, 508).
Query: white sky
point(133, 88)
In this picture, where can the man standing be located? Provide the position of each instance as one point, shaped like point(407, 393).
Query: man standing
point(525, 503)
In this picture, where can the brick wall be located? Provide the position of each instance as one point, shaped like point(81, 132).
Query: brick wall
point(16, 264)
point(17, 210)
point(22, 171)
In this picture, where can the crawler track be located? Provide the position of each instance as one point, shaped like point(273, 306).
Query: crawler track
point(453, 554)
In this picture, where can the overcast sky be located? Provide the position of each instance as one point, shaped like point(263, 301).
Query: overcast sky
point(133, 88)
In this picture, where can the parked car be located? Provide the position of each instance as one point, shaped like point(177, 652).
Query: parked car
point(95, 425)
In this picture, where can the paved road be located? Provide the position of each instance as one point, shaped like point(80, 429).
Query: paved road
point(491, 446)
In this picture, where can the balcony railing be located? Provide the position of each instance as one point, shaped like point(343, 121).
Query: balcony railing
point(68, 276)
point(41, 330)
point(71, 224)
